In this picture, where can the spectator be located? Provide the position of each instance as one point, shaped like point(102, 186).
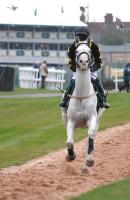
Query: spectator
point(126, 78)
point(43, 72)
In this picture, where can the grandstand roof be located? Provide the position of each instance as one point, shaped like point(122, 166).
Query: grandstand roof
point(55, 18)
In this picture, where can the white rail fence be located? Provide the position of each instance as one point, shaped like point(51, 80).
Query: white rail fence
point(29, 78)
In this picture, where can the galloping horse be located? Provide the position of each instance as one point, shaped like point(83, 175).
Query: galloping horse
point(82, 109)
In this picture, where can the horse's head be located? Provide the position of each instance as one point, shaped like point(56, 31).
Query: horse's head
point(83, 55)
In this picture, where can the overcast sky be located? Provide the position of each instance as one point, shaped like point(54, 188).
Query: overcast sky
point(49, 11)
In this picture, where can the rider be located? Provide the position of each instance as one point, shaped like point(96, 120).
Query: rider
point(82, 34)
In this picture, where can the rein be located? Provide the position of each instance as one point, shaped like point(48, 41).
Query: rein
point(81, 98)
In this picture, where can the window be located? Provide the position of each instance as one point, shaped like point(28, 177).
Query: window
point(3, 45)
point(27, 46)
point(20, 53)
point(16, 46)
point(20, 34)
point(70, 36)
point(21, 46)
point(53, 46)
point(41, 46)
point(45, 35)
point(64, 47)
point(45, 53)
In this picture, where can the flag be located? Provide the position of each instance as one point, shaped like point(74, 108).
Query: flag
point(120, 24)
point(62, 9)
point(35, 12)
point(118, 20)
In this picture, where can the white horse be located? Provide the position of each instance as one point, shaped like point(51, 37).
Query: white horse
point(82, 109)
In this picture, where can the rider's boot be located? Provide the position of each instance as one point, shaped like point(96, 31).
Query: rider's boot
point(65, 100)
point(102, 95)
point(69, 90)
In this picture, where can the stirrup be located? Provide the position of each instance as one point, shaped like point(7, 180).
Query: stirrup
point(63, 105)
point(106, 105)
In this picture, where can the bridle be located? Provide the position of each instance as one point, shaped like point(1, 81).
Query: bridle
point(78, 54)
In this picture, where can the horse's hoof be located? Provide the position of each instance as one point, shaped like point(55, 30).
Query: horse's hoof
point(85, 170)
point(89, 163)
point(70, 158)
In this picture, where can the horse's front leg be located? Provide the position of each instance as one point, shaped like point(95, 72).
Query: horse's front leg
point(70, 141)
point(91, 135)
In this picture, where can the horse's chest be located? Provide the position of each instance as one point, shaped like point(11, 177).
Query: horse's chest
point(80, 112)
point(79, 116)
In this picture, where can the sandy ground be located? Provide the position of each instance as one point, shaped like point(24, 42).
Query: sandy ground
point(52, 178)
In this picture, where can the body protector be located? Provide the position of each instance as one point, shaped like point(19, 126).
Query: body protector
point(95, 54)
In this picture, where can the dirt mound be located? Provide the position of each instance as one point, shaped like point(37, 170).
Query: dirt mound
point(51, 177)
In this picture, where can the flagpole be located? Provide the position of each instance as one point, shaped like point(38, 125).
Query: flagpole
point(87, 14)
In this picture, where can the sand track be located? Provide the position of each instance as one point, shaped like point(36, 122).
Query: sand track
point(51, 177)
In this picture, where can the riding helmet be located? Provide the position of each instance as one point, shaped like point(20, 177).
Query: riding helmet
point(82, 32)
